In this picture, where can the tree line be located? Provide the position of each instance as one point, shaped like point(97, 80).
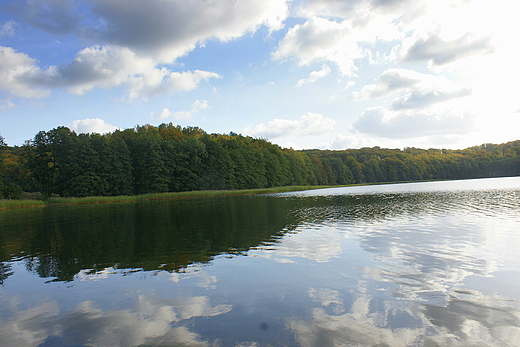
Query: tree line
point(171, 158)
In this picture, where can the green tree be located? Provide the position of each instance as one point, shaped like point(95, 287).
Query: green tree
point(248, 168)
point(217, 170)
point(40, 161)
point(276, 164)
point(356, 168)
point(120, 175)
point(189, 158)
point(3, 145)
point(150, 173)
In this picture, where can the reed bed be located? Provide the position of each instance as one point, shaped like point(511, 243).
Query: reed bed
point(177, 195)
point(7, 204)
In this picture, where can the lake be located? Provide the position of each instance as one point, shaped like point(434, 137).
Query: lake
point(416, 264)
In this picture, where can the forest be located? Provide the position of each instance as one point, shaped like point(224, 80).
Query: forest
point(171, 158)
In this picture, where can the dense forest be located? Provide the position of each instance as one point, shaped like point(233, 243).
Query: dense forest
point(170, 158)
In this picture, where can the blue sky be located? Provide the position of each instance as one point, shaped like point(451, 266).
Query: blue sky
point(326, 74)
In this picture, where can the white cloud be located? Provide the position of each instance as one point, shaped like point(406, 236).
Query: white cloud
point(319, 39)
point(344, 32)
point(418, 99)
point(96, 67)
point(165, 81)
point(418, 90)
point(15, 68)
point(91, 125)
point(390, 81)
point(165, 113)
point(167, 30)
point(112, 66)
point(163, 30)
point(379, 121)
point(315, 75)
point(440, 52)
point(309, 124)
point(196, 107)
point(140, 35)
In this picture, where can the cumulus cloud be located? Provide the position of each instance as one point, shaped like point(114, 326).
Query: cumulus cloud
point(164, 30)
point(167, 30)
point(344, 32)
point(418, 90)
point(96, 67)
point(159, 81)
point(309, 124)
point(320, 39)
point(417, 99)
point(196, 107)
point(136, 38)
point(15, 69)
point(165, 113)
point(390, 81)
point(315, 75)
point(91, 125)
point(440, 52)
point(381, 122)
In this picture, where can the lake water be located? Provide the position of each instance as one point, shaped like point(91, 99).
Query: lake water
point(419, 264)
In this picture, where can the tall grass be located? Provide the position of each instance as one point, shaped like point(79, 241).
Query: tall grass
point(178, 195)
point(36, 199)
point(5, 204)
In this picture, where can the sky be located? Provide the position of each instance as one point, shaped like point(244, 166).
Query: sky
point(326, 74)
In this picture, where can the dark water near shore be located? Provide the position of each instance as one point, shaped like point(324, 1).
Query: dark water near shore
point(419, 264)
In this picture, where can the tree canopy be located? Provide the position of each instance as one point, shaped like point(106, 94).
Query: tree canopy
point(171, 158)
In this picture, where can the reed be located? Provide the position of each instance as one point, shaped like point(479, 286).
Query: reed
point(177, 195)
point(8, 204)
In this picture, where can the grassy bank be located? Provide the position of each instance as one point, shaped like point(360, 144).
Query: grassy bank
point(36, 199)
point(4, 204)
point(7, 204)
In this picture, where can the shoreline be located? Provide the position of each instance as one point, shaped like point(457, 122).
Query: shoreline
point(90, 200)
point(63, 201)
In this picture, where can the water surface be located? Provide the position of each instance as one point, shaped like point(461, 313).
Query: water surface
point(419, 264)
